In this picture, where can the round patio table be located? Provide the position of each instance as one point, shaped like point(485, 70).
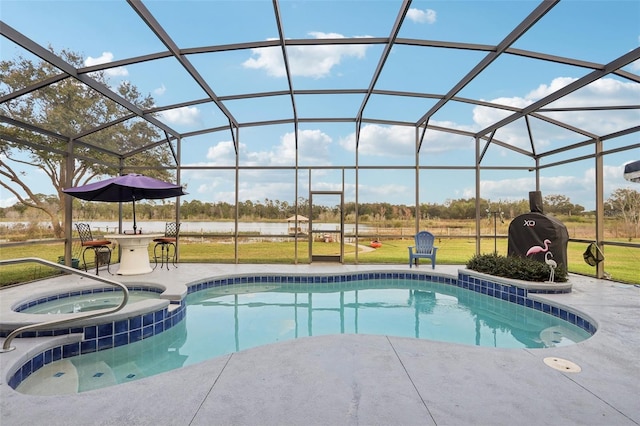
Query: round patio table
point(134, 254)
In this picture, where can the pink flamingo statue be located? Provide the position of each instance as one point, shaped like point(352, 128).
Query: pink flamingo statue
point(538, 249)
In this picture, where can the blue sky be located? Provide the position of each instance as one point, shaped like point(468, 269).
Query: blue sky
point(593, 31)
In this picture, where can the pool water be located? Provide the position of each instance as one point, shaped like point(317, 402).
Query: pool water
point(226, 319)
point(88, 302)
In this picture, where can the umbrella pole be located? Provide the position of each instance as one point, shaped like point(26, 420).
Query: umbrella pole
point(134, 217)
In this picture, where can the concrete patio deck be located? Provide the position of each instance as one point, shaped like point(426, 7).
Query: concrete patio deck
point(367, 379)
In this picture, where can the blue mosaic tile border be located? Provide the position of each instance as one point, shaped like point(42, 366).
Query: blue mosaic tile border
point(100, 337)
point(320, 279)
point(520, 296)
point(42, 300)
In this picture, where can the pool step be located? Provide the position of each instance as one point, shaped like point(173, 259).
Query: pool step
point(64, 377)
point(127, 372)
point(57, 378)
point(95, 375)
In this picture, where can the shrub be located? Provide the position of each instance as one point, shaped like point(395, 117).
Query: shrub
point(514, 267)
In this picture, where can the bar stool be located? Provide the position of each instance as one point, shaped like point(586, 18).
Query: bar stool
point(98, 246)
point(170, 239)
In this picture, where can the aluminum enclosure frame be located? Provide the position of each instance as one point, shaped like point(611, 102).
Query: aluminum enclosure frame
point(484, 138)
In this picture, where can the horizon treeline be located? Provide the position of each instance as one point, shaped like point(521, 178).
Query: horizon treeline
point(268, 209)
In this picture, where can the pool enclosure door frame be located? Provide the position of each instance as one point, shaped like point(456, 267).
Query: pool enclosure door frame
point(323, 234)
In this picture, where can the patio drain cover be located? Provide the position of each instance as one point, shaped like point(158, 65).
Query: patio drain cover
point(562, 365)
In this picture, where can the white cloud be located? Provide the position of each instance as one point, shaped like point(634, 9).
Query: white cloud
point(221, 187)
point(8, 202)
point(259, 190)
point(305, 61)
point(436, 142)
point(216, 186)
point(389, 191)
point(546, 89)
point(397, 141)
point(106, 57)
point(223, 153)
point(313, 149)
point(603, 92)
point(427, 16)
point(613, 179)
point(579, 188)
point(485, 116)
point(160, 90)
point(635, 65)
point(184, 116)
point(502, 189)
point(255, 185)
point(400, 141)
point(384, 141)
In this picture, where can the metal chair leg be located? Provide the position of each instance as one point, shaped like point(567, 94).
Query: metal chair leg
point(98, 251)
point(165, 253)
point(109, 261)
point(155, 256)
point(84, 261)
point(163, 257)
point(173, 258)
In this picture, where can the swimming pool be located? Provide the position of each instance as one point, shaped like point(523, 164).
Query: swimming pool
point(247, 312)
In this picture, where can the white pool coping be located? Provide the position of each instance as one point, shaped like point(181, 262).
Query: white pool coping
point(363, 379)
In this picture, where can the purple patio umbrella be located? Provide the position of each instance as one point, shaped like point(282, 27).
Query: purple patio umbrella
point(129, 187)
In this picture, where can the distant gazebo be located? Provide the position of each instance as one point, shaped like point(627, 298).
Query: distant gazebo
point(301, 229)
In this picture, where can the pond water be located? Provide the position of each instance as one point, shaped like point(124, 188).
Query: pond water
point(267, 228)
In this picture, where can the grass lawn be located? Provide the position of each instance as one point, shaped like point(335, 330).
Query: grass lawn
point(620, 262)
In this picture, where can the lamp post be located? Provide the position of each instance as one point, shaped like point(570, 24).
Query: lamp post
point(495, 227)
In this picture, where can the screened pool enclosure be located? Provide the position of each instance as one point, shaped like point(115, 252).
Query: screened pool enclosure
point(406, 102)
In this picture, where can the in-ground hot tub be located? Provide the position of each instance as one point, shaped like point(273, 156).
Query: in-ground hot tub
point(85, 300)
